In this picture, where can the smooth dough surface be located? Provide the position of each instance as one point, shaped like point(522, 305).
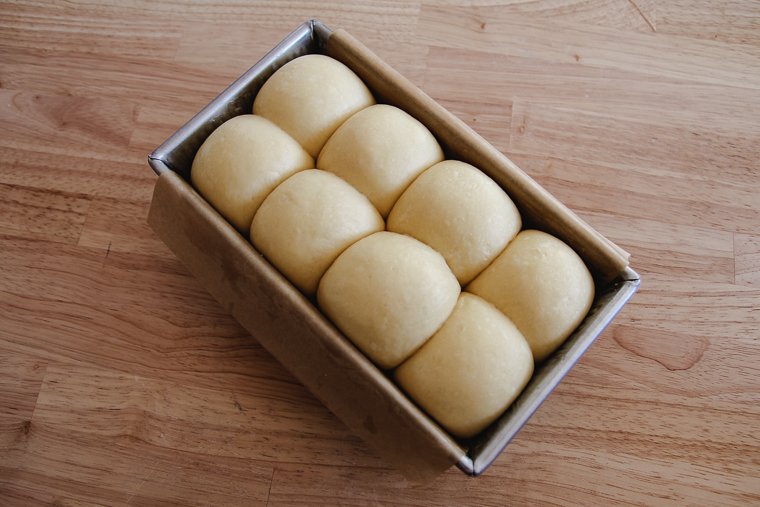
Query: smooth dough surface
point(461, 213)
point(310, 97)
point(241, 162)
point(380, 151)
point(307, 221)
point(388, 293)
point(542, 285)
point(471, 370)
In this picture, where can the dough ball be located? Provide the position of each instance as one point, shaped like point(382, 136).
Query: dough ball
point(461, 213)
point(307, 221)
point(380, 151)
point(388, 293)
point(310, 97)
point(471, 370)
point(241, 162)
point(542, 285)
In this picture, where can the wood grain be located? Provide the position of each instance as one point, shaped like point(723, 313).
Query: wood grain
point(123, 382)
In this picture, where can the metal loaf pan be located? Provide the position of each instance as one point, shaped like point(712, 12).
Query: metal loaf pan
point(474, 456)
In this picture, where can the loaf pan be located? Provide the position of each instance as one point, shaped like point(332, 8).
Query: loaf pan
point(292, 328)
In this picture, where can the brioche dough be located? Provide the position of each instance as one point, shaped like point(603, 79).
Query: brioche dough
point(542, 285)
point(307, 221)
point(461, 213)
point(388, 293)
point(380, 151)
point(241, 162)
point(310, 97)
point(471, 370)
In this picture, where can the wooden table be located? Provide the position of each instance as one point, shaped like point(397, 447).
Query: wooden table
point(123, 382)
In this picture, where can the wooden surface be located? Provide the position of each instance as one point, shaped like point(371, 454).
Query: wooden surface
point(123, 382)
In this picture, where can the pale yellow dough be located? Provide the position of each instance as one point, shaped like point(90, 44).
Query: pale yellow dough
point(310, 97)
point(461, 213)
point(380, 151)
point(241, 162)
point(471, 370)
point(388, 293)
point(542, 285)
point(307, 221)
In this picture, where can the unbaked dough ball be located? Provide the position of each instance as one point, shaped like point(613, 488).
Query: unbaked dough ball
point(542, 285)
point(309, 97)
point(241, 162)
point(471, 370)
point(307, 221)
point(461, 213)
point(380, 151)
point(388, 293)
